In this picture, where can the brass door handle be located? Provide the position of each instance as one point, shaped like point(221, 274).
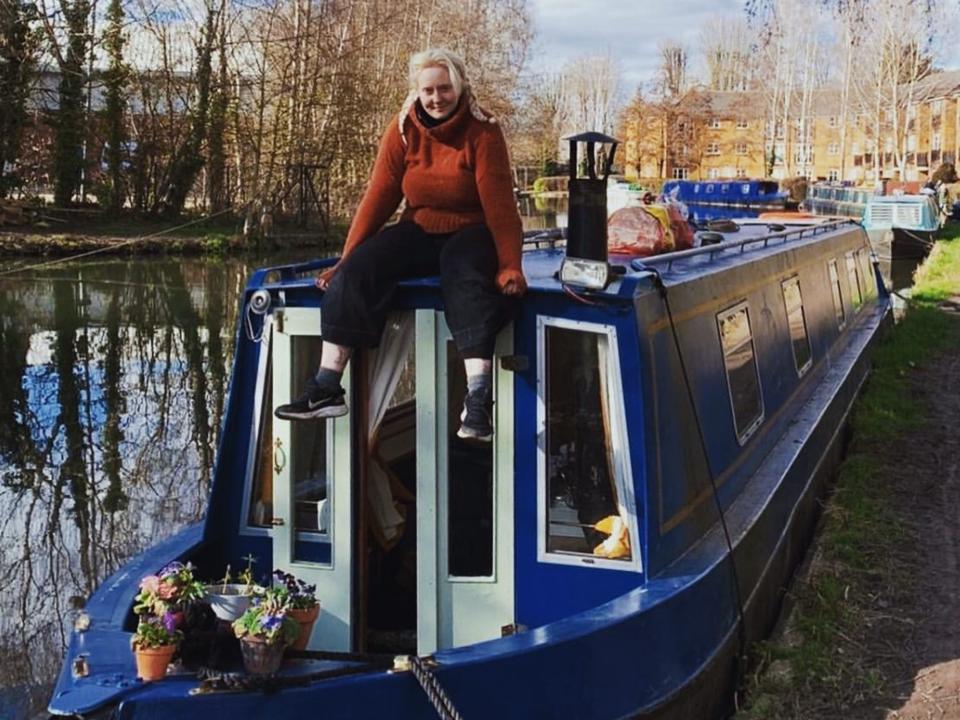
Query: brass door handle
point(276, 522)
point(279, 457)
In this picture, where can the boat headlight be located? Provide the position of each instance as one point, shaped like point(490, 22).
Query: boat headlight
point(591, 274)
point(81, 623)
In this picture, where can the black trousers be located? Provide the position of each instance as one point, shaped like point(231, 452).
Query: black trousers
point(360, 293)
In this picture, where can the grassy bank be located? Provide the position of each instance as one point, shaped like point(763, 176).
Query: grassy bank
point(823, 663)
point(129, 234)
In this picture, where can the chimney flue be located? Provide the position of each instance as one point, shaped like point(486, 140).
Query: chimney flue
point(586, 260)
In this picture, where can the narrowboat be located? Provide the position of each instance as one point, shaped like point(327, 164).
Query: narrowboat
point(664, 428)
point(737, 193)
point(902, 226)
point(836, 200)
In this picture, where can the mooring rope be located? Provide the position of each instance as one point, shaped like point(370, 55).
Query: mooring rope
point(434, 690)
point(109, 248)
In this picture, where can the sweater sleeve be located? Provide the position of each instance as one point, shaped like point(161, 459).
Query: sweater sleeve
point(495, 187)
point(383, 193)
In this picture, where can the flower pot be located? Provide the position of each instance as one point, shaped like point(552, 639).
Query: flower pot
point(306, 619)
point(261, 657)
point(228, 601)
point(152, 662)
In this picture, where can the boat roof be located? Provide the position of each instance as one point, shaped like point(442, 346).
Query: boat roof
point(544, 253)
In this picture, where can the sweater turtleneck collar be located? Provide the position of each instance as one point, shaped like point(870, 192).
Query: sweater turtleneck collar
point(445, 128)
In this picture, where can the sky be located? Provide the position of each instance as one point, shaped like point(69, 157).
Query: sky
point(627, 30)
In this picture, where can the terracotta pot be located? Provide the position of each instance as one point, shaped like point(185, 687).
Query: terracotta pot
point(228, 601)
point(261, 657)
point(306, 619)
point(152, 662)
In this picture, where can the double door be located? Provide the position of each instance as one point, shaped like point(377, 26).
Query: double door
point(463, 492)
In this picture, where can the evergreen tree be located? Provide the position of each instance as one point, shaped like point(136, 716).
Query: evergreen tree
point(17, 48)
point(68, 152)
point(115, 80)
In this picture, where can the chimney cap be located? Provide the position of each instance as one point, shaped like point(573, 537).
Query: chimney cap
point(592, 136)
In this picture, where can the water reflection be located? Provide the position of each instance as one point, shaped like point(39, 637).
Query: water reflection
point(114, 383)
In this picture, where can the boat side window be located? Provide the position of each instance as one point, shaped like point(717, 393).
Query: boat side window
point(853, 275)
point(709, 188)
point(724, 187)
point(797, 322)
point(743, 379)
point(837, 295)
point(585, 494)
point(866, 272)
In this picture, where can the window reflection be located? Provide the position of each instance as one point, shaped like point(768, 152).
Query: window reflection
point(581, 494)
point(853, 276)
point(837, 295)
point(793, 300)
point(742, 375)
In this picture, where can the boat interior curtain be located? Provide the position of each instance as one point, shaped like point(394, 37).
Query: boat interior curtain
point(386, 365)
point(618, 544)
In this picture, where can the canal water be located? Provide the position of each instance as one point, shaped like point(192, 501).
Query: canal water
point(115, 375)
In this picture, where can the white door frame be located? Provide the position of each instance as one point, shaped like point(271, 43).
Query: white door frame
point(334, 580)
point(453, 611)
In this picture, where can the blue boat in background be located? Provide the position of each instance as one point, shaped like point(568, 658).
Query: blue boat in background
point(662, 437)
point(902, 226)
point(764, 194)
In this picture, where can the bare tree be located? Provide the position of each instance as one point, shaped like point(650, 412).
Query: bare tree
point(728, 54)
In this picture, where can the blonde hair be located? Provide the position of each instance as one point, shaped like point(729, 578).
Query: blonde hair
point(455, 67)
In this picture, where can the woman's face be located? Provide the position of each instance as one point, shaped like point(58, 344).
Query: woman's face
point(436, 92)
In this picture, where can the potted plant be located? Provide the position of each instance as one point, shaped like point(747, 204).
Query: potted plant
point(228, 599)
point(154, 643)
point(304, 606)
point(169, 591)
point(265, 630)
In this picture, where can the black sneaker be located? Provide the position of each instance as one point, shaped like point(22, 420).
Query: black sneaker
point(315, 402)
point(476, 420)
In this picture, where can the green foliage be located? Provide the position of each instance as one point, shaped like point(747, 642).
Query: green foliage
point(70, 121)
point(153, 632)
point(19, 41)
point(266, 618)
point(115, 81)
point(939, 277)
point(170, 589)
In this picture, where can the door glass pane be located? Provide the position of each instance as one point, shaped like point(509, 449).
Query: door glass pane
point(837, 295)
point(797, 323)
point(580, 477)
point(854, 281)
point(308, 451)
point(470, 487)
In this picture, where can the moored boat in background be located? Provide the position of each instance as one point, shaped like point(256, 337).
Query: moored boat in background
point(836, 200)
point(739, 193)
point(902, 226)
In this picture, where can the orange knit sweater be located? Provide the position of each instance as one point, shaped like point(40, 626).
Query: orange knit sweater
point(453, 175)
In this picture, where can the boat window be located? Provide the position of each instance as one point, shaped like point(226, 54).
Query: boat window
point(743, 380)
point(724, 187)
point(793, 301)
point(745, 188)
point(696, 188)
point(260, 506)
point(866, 272)
point(837, 295)
point(853, 275)
point(470, 523)
point(585, 492)
point(308, 447)
point(709, 188)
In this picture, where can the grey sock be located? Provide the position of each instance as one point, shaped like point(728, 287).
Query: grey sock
point(479, 383)
point(328, 379)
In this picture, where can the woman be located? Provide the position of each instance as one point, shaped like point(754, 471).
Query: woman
point(448, 160)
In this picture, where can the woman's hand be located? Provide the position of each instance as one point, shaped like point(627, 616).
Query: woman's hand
point(513, 288)
point(511, 283)
point(323, 278)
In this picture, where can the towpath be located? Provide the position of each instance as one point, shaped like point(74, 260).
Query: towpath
point(918, 639)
